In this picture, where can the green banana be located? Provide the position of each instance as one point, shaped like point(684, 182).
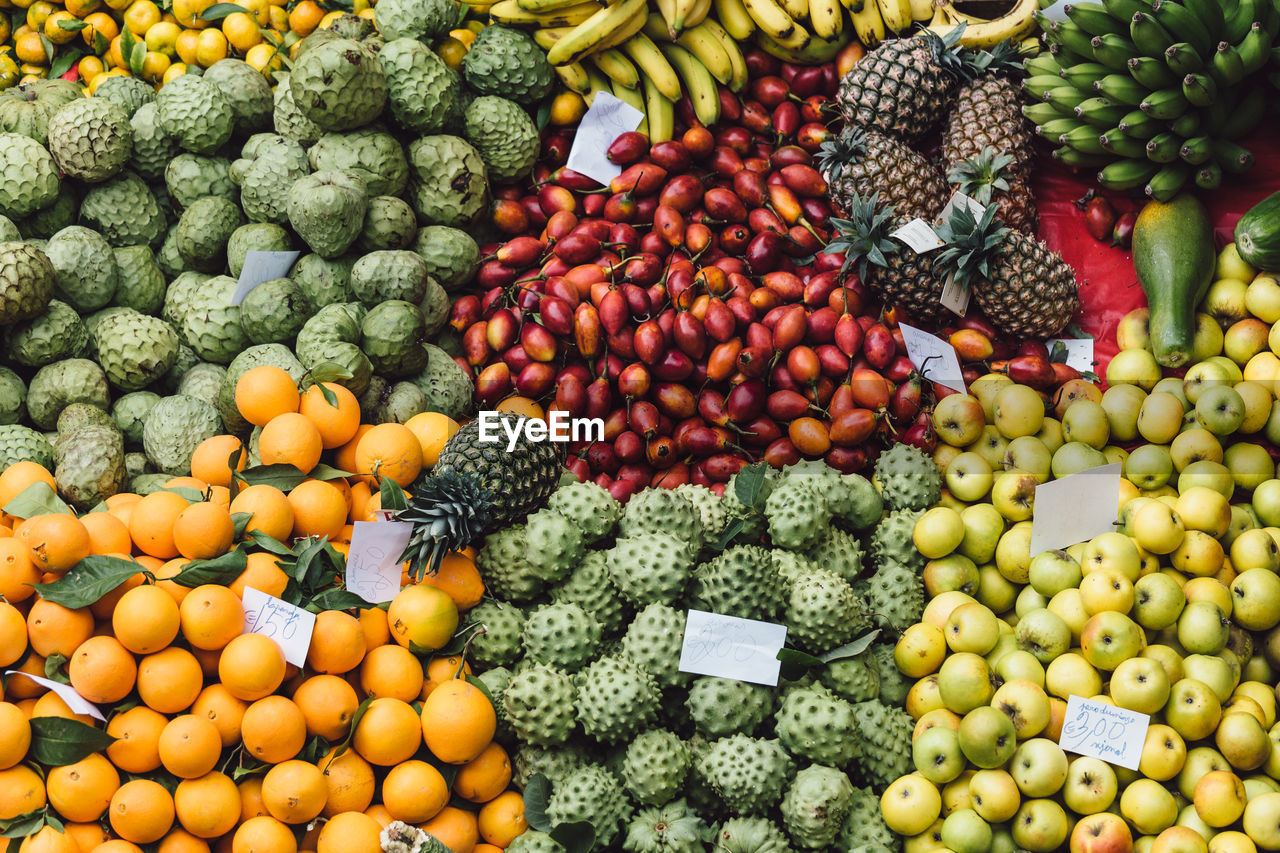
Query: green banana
point(1199, 89)
point(1186, 125)
point(1042, 112)
point(1079, 159)
point(1038, 86)
point(1183, 24)
point(1124, 10)
point(1093, 18)
point(1255, 48)
point(1139, 125)
point(1165, 183)
point(1052, 130)
point(1163, 147)
point(1239, 20)
point(1113, 51)
point(1122, 89)
point(1067, 58)
point(1084, 139)
point(1151, 72)
point(1126, 174)
point(1182, 59)
point(1101, 112)
point(1165, 104)
point(1072, 35)
point(1121, 144)
point(1209, 176)
point(1149, 35)
point(1227, 66)
point(1246, 115)
point(1231, 157)
point(1042, 63)
point(1066, 98)
point(1196, 150)
point(1210, 15)
point(1084, 74)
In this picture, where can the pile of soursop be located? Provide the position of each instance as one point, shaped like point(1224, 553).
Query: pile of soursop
point(126, 218)
point(581, 645)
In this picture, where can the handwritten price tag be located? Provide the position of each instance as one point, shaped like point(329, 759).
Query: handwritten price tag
point(918, 235)
point(77, 703)
point(935, 358)
point(1079, 351)
point(289, 626)
point(373, 561)
point(1115, 735)
point(608, 118)
point(259, 267)
point(958, 198)
point(954, 296)
point(729, 647)
point(1075, 508)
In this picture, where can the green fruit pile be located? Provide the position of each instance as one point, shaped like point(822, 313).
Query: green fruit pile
point(1154, 94)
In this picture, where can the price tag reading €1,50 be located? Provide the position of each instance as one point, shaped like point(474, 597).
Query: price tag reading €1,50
point(730, 647)
point(373, 560)
point(289, 626)
point(1112, 734)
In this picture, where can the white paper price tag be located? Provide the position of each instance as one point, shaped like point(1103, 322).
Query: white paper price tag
point(918, 235)
point(1058, 11)
point(1075, 508)
point(289, 626)
point(1114, 735)
point(954, 297)
point(935, 358)
point(957, 199)
point(259, 267)
point(77, 703)
point(730, 647)
point(608, 118)
point(373, 560)
point(1079, 351)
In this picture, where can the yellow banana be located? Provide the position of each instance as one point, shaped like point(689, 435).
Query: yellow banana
point(868, 24)
point(647, 57)
point(696, 14)
point(826, 17)
point(626, 16)
point(574, 76)
point(732, 15)
point(796, 8)
point(616, 67)
point(737, 62)
point(543, 6)
point(815, 52)
point(634, 97)
point(698, 82)
point(774, 21)
point(509, 12)
point(667, 9)
point(661, 113)
point(896, 14)
point(597, 83)
point(921, 10)
point(701, 41)
point(1014, 25)
point(546, 37)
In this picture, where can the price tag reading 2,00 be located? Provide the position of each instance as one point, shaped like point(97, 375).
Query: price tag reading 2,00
point(1115, 735)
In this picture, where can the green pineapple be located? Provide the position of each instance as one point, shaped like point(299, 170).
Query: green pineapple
point(991, 178)
point(865, 162)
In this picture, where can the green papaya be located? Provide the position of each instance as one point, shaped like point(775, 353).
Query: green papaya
point(1174, 258)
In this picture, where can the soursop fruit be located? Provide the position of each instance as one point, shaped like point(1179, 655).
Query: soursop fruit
point(650, 567)
point(325, 281)
point(505, 136)
point(56, 334)
point(506, 570)
point(895, 595)
point(593, 795)
point(424, 93)
point(864, 826)
point(893, 684)
point(711, 509)
point(562, 635)
point(823, 612)
point(246, 90)
point(423, 20)
point(590, 507)
point(554, 762)
point(195, 113)
point(720, 707)
point(447, 180)
point(87, 272)
point(90, 139)
point(391, 336)
point(495, 680)
point(255, 237)
point(189, 177)
point(884, 735)
point(129, 411)
point(389, 224)
point(838, 551)
point(662, 511)
point(23, 444)
point(27, 282)
point(375, 154)
point(89, 465)
point(338, 85)
point(125, 211)
point(815, 724)
point(152, 147)
point(56, 386)
point(539, 704)
point(892, 543)
point(815, 806)
point(140, 283)
point(789, 565)
point(590, 587)
point(327, 210)
point(739, 581)
point(203, 232)
point(616, 699)
point(274, 312)
point(654, 640)
point(128, 93)
point(13, 397)
point(174, 428)
point(655, 766)
point(555, 544)
point(533, 841)
point(857, 504)
point(855, 679)
point(500, 642)
point(751, 835)
point(211, 324)
point(507, 62)
point(28, 176)
point(671, 828)
point(798, 514)
point(908, 478)
point(380, 276)
point(749, 774)
point(266, 178)
point(452, 255)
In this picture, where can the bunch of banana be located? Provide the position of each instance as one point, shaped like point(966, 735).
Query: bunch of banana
point(985, 33)
point(1154, 94)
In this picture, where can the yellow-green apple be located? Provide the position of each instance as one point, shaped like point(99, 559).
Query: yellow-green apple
point(969, 475)
point(1070, 606)
point(955, 794)
point(991, 446)
point(1007, 643)
point(1262, 821)
point(1245, 339)
point(964, 831)
point(1163, 753)
point(1074, 457)
point(994, 794)
point(1020, 666)
point(1110, 637)
point(983, 527)
point(1013, 552)
point(920, 650)
point(1149, 466)
point(1232, 841)
point(910, 804)
point(1255, 549)
point(1203, 628)
point(1101, 833)
point(936, 755)
point(1201, 508)
point(1266, 502)
point(1149, 806)
point(1026, 704)
point(1040, 826)
point(987, 737)
point(1039, 767)
point(1226, 302)
point(1028, 600)
point(952, 572)
point(1195, 445)
point(1199, 554)
point(1179, 839)
point(1258, 784)
point(1044, 634)
point(1242, 741)
point(1115, 456)
point(1157, 601)
point(972, 628)
point(1134, 367)
point(930, 839)
point(1019, 410)
point(1090, 787)
point(940, 607)
point(1122, 404)
point(924, 696)
point(958, 419)
point(1206, 472)
point(1207, 339)
point(938, 532)
point(1029, 453)
point(1256, 599)
point(965, 682)
point(1112, 551)
point(1106, 589)
point(1257, 405)
point(994, 590)
point(1053, 571)
point(1050, 434)
point(1193, 710)
point(1140, 684)
point(1086, 421)
point(1250, 464)
point(1157, 528)
point(1272, 429)
point(1132, 331)
point(1211, 590)
point(1173, 385)
point(1262, 694)
point(985, 388)
point(1160, 417)
point(1013, 494)
point(1219, 798)
point(936, 717)
point(1202, 376)
point(1071, 674)
point(1262, 297)
point(1168, 657)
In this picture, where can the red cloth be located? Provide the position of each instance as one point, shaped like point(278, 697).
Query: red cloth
point(1109, 287)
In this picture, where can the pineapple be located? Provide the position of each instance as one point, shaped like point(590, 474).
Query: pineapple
point(865, 162)
point(895, 272)
point(906, 85)
point(988, 112)
point(475, 486)
point(1024, 289)
point(990, 178)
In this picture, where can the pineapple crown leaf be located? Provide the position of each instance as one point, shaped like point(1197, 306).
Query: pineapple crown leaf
point(952, 57)
point(982, 174)
point(971, 243)
point(447, 511)
point(863, 236)
point(835, 153)
point(1005, 58)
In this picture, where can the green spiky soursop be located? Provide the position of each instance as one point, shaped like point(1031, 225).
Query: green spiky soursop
point(896, 595)
point(325, 281)
point(855, 679)
point(56, 334)
point(389, 224)
point(739, 581)
point(616, 699)
point(447, 181)
point(864, 826)
point(89, 465)
point(211, 324)
point(125, 211)
point(90, 139)
point(397, 274)
point(391, 336)
point(203, 232)
point(650, 567)
point(655, 510)
point(339, 85)
point(327, 210)
point(884, 735)
point(246, 90)
point(255, 237)
point(838, 551)
point(452, 255)
point(815, 806)
point(507, 62)
point(58, 385)
point(28, 176)
point(424, 20)
point(175, 426)
point(87, 272)
point(751, 835)
point(590, 587)
point(135, 349)
point(671, 828)
point(653, 641)
point(27, 282)
point(13, 397)
point(721, 707)
point(593, 795)
point(140, 283)
point(857, 503)
point(375, 154)
point(196, 114)
point(274, 312)
point(555, 544)
point(823, 612)
point(562, 635)
point(500, 642)
point(908, 478)
point(797, 512)
point(554, 762)
point(655, 766)
point(533, 841)
point(892, 543)
point(23, 444)
point(189, 177)
point(503, 564)
point(424, 92)
point(505, 136)
point(711, 509)
point(539, 704)
point(815, 724)
point(589, 506)
point(203, 381)
point(748, 774)
point(129, 412)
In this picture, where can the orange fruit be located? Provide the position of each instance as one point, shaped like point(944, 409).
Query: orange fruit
point(136, 748)
point(458, 721)
point(13, 634)
point(485, 776)
point(208, 806)
point(459, 579)
point(391, 672)
point(103, 607)
point(502, 819)
point(58, 541)
point(337, 424)
point(48, 840)
point(490, 848)
point(216, 704)
point(517, 405)
point(389, 450)
point(432, 430)
point(212, 616)
point(211, 459)
point(305, 17)
point(164, 575)
point(414, 791)
point(262, 572)
point(349, 782)
point(337, 643)
point(327, 703)
point(151, 523)
point(107, 534)
point(384, 735)
point(18, 575)
point(265, 392)
point(18, 476)
point(169, 680)
point(318, 509)
point(373, 621)
point(294, 791)
point(291, 439)
point(50, 704)
point(102, 670)
point(251, 666)
point(203, 530)
point(379, 812)
point(87, 836)
point(141, 811)
point(263, 834)
point(422, 617)
point(441, 669)
point(181, 841)
point(344, 459)
point(269, 508)
point(21, 791)
point(25, 688)
point(145, 619)
point(55, 630)
point(251, 805)
point(349, 832)
point(454, 828)
point(189, 746)
point(273, 730)
point(15, 735)
point(82, 791)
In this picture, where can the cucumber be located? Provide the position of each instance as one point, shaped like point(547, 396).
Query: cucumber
point(1258, 234)
point(1174, 258)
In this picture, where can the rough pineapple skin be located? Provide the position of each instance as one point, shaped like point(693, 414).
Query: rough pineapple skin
point(520, 481)
point(900, 176)
point(195, 113)
point(1030, 291)
point(909, 281)
point(90, 139)
point(27, 281)
point(28, 176)
point(988, 112)
point(898, 87)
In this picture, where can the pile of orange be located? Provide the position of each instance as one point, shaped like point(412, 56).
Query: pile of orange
point(219, 744)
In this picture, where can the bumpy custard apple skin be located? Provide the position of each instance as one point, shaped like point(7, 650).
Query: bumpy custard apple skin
point(9, 232)
point(505, 136)
point(203, 232)
point(196, 114)
point(655, 766)
point(554, 762)
point(590, 587)
point(129, 411)
point(797, 513)
point(507, 62)
point(140, 283)
point(721, 707)
point(288, 119)
point(823, 612)
point(89, 465)
point(815, 724)
point(593, 795)
point(447, 180)
point(421, 20)
point(895, 595)
point(375, 154)
point(203, 382)
point(650, 567)
point(539, 704)
point(79, 415)
point(53, 217)
point(562, 635)
point(748, 773)
point(174, 428)
point(190, 177)
point(274, 312)
point(616, 699)
point(87, 272)
point(739, 581)
point(255, 237)
point(589, 506)
point(58, 385)
point(654, 640)
point(267, 168)
point(23, 444)
point(27, 282)
point(391, 336)
point(246, 90)
point(501, 642)
point(908, 478)
point(13, 397)
point(864, 826)
point(56, 334)
point(452, 255)
point(423, 92)
point(815, 806)
point(892, 543)
point(751, 835)
point(339, 85)
point(128, 93)
point(125, 211)
point(90, 139)
point(327, 210)
point(445, 384)
point(389, 225)
point(393, 274)
point(884, 735)
point(325, 281)
point(211, 324)
point(28, 176)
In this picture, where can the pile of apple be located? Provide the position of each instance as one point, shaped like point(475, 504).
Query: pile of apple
point(1174, 615)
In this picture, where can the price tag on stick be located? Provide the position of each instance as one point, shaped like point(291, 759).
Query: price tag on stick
point(935, 358)
point(1075, 508)
point(608, 118)
point(373, 561)
point(730, 647)
point(289, 626)
point(1112, 734)
point(919, 236)
point(77, 703)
